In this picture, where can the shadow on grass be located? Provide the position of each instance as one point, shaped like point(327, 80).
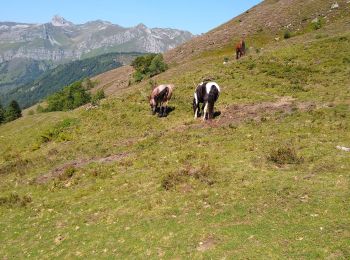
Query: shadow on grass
point(217, 114)
point(169, 110)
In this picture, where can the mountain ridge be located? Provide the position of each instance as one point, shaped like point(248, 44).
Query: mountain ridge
point(61, 40)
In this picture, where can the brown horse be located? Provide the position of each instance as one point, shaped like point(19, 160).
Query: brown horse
point(240, 49)
point(160, 96)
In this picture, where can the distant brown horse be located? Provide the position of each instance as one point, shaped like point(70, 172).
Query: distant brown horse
point(240, 49)
point(160, 96)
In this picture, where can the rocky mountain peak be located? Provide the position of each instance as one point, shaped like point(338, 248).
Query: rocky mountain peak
point(141, 26)
point(59, 21)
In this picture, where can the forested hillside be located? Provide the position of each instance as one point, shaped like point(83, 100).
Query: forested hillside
point(63, 75)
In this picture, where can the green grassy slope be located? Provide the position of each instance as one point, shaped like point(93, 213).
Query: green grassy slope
point(130, 185)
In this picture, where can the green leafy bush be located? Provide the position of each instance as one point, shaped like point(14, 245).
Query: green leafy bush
point(71, 97)
point(100, 94)
point(88, 84)
point(148, 66)
point(317, 24)
point(287, 35)
point(12, 112)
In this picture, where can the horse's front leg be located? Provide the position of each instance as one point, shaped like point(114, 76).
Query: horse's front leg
point(196, 112)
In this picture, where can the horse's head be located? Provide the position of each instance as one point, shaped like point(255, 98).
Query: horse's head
point(153, 105)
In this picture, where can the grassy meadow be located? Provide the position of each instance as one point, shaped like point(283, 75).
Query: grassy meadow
point(121, 183)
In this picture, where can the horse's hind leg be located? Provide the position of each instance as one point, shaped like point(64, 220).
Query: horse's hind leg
point(165, 109)
point(161, 111)
point(202, 109)
point(205, 111)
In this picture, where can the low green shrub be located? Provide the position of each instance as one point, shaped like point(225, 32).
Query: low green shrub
point(204, 174)
point(317, 24)
point(68, 173)
point(287, 35)
point(15, 200)
point(284, 155)
point(16, 165)
point(31, 112)
point(57, 133)
point(100, 94)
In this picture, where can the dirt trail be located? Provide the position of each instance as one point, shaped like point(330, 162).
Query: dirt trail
point(57, 172)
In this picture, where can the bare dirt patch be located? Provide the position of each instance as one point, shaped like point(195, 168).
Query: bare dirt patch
point(236, 114)
point(206, 244)
point(113, 81)
point(59, 171)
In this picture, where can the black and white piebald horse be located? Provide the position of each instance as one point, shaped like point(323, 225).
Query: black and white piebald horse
point(206, 93)
point(160, 96)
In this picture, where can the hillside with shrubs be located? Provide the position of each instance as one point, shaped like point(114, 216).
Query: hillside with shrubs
point(268, 177)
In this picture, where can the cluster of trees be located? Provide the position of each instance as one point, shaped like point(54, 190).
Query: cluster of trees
point(71, 97)
point(148, 66)
point(12, 112)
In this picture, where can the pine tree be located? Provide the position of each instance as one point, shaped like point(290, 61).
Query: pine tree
point(2, 114)
point(13, 111)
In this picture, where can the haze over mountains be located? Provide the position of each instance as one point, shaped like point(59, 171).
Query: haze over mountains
point(61, 40)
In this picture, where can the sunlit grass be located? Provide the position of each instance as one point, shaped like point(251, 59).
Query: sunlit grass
point(183, 188)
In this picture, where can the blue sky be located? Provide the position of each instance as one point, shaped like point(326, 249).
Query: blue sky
point(197, 16)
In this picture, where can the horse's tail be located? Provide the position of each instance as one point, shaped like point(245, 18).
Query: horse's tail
point(166, 94)
point(212, 98)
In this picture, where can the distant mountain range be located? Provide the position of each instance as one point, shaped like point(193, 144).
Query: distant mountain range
point(29, 53)
point(61, 40)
